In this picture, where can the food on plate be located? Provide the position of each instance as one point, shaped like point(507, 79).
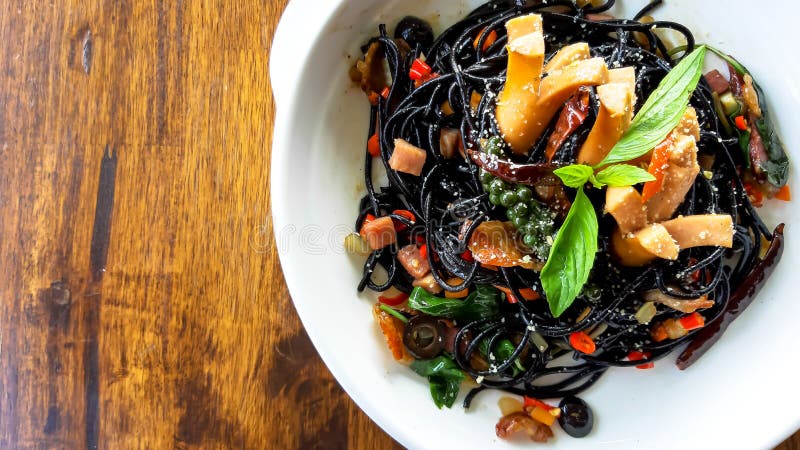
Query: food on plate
point(566, 192)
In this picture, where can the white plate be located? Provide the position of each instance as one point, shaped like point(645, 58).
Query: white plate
point(744, 393)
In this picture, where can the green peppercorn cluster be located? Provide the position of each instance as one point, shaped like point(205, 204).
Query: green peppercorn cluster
point(530, 217)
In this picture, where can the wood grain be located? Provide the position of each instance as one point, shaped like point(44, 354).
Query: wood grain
point(143, 305)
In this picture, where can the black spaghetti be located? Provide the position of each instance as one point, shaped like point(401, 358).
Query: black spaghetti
point(522, 347)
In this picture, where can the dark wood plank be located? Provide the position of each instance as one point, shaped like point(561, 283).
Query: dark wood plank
point(143, 302)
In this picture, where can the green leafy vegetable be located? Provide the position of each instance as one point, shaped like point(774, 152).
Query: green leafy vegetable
point(662, 111)
point(572, 255)
point(502, 352)
point(480, 303)
point(574, 175)
point(444, 378)
point(777, 164)
point(623, 175)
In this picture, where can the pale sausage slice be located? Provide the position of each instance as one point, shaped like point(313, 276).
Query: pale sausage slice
point(407, 158)
point(379, 233)
point(412, 260)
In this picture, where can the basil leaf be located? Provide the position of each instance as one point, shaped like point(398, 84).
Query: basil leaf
point(502, 352)
point(444, 378)
point(662, 111)
point(623, 175)
point(481, 303)
point(572, 255)
point(574, 175)
point(443, 391)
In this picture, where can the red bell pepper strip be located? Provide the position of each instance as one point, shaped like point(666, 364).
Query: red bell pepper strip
point(637, 356)
point(419, 70)
point(399, 226)
point(398, 299)
point(693, 321)
point(740, 123)
point(658, 164)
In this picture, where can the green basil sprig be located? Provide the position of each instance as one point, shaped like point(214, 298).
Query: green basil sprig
point(571, 256)
point(576, 175)
point(662, 111)
point(573, 252)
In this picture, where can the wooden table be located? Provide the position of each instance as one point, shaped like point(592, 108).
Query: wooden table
point(143, 305)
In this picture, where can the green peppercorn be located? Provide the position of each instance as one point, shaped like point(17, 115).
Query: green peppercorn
point(494, 150)
point(510, 213)
point(538, 212)
point(521, 209)
point(486, 177)
point(528, 228)
point(530, 240)
point(520, 222)
point(524, 193)
point(508, 199)
point(493, 144)
point(494, 199)
point(497, 187)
